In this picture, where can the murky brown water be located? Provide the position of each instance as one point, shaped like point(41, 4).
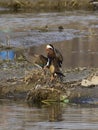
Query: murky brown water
point(23, 116)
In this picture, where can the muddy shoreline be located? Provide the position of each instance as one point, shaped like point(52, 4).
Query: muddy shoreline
point(21, 80)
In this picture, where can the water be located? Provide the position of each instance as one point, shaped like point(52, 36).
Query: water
point(23, 116)
point(26, 29)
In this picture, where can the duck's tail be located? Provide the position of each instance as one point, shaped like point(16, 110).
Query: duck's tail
point(60, 74)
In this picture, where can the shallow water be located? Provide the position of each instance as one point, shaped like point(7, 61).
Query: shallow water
point(23, 116)
point(27, 29)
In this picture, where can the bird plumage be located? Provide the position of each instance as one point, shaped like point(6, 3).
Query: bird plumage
point(53, 68)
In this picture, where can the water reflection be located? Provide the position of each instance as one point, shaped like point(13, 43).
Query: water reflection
point(55, 112)
point(21, 116)
point(7, 55)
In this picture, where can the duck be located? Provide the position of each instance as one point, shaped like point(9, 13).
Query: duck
point(53, 53)
point(60, 28)
point(53, 62)
point(54, 68)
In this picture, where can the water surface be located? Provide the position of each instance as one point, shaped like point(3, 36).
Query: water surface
point(23, 116)
point(27, 29)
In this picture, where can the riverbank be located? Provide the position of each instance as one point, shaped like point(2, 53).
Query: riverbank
point(22, 81)
point(37, 5)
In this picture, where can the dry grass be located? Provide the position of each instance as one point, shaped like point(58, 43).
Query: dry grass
point(46, 4)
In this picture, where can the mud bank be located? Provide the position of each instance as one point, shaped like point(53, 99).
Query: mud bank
point(23, 81)
point(47, 4)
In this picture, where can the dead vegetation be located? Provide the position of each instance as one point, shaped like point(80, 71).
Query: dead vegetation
point(44, 90)
point(35, 86)
point(46, 4)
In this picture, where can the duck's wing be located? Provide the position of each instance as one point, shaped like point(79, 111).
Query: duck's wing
point(59, 55)
point(41, 60)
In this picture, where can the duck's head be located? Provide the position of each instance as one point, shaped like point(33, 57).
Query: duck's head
point(49, 49)
point(50, 46)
